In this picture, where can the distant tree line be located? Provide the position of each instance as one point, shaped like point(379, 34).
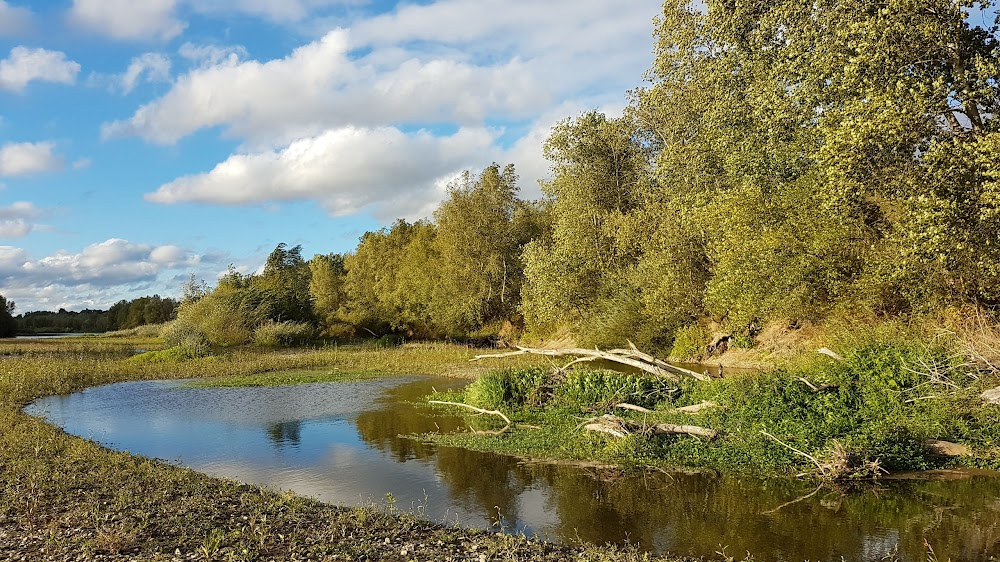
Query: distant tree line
point(122, 315)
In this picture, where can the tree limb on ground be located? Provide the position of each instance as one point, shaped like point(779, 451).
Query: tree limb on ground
point(481, 411)
point(632, 358)
point(620, 427)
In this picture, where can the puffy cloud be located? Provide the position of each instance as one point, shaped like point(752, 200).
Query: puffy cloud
point(346, 169)
point(319, 86)
point(155, 67)
point(211, 55)
point(13, 19)
point(128, 19)
point(16, 220)
point(109, 263)
point(311, 121)
point(25, 65)
point(18, 159)
point(97, 276)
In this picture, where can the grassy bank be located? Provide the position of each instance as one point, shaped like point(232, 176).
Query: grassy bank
point(886, 406)
point(64, 498)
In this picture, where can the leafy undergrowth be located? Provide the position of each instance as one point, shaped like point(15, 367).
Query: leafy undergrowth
point(870, 414)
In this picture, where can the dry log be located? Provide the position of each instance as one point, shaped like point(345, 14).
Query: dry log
point(829, 353)
point(947, 448)
point(473, 408)
point(633, 407)
point(671, 429)
point(613, 425)
point(631, 358)
point(697, 408)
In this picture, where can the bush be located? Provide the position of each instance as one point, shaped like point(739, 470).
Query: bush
point(283, 334)
point(690, 342)
point(512, 388)
point(588, 390)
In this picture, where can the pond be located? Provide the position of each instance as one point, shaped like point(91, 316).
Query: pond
point(343, 443)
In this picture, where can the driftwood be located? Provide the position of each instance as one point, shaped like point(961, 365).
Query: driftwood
point(619, 427)
point(829, 353)
point(697, 408)
point(631, 357)
point(481, 411)
point(820, 388)
point(634, 408)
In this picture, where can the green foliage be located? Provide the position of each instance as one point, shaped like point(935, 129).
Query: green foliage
point(283, 334)
point(8, 327)
point(326, 288)
point(512, 388)
point(829, 157)
point(690, 342)
point(589, 390)
point(482, 231)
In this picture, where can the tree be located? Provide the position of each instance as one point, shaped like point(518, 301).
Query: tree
point(482, 230)
point(8, 327)
point(326, 288)
point(831, 153)
point(607, 251)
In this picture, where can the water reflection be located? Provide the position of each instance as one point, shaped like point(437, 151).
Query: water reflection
point(342, 443)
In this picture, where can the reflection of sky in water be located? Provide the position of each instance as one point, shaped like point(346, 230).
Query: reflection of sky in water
point(340, 443)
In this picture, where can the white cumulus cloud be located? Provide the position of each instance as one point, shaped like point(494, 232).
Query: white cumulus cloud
point(346, 169)
point(17, 219)
point(18, 159)
point(132, 20)
point(25, 65)
point(13, 19)
point(318, 86)
point(154, 67)
point(98, 275)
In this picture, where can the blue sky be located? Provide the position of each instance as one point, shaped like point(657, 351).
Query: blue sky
point(143, 140)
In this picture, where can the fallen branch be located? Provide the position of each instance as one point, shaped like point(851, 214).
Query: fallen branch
point(473, 408)
point(793, 449)
point(820, 388)
point(633, 407)
point(632, 358)
point(671, 429)
point(614, 425)
point(829, 353)
point(696, 408)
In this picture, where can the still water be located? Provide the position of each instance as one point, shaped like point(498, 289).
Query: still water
point(341, 443)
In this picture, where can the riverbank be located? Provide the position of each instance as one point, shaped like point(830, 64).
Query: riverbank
point(888, 401)
point(65, 498)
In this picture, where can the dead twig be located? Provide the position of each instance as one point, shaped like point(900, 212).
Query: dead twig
point(479, 410)
point(794, 450)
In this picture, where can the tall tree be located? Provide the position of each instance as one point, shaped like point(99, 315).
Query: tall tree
point(8, 327)
point(482, 230)
point(833, 153)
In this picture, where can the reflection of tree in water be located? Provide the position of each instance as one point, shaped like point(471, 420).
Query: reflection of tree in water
point(484, 482)
point(285, 433)
point(695, 514)
point(698, 514)
point(399, 413)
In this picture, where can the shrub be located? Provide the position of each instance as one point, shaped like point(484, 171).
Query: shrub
point(510, 388)
point(690, 342)
point(283, 334)
point(599, 389)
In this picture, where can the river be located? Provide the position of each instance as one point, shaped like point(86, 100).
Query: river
point(346, 443)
